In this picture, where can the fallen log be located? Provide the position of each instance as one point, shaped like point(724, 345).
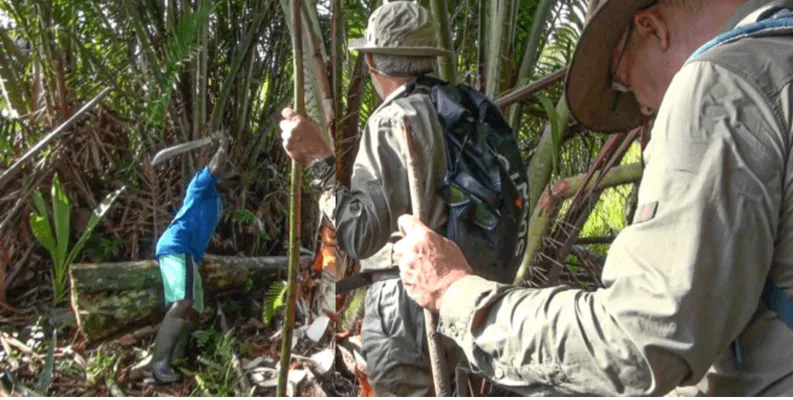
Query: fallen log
point(108, 298)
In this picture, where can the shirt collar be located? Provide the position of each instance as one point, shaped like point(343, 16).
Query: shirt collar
point(399, 92)
point(750, 11)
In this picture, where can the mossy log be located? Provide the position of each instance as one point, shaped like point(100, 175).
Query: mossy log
point(107, 298)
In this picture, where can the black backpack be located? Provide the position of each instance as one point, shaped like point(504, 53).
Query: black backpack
point(485, 187)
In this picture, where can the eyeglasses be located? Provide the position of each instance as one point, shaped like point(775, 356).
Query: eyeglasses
point(617, 86)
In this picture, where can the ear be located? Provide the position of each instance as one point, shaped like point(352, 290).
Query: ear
point(652, 23)
point(370, 63)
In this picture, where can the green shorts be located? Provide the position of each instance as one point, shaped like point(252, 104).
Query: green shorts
point(181, 280)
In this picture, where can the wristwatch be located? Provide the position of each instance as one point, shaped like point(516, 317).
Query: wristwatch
point(321, 168)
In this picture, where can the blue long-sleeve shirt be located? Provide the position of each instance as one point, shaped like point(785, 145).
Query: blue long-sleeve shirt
point(194, 224)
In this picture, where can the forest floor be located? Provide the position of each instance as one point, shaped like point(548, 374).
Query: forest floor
point(233, 353)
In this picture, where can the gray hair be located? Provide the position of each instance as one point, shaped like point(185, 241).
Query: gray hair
point(403, 66)
point(693, 5)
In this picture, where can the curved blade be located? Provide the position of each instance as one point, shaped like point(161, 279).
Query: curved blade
point(366, 278)
point(168, 153)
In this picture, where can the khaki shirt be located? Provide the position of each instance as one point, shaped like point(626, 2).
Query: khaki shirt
point(365, 215)
point(684, 280)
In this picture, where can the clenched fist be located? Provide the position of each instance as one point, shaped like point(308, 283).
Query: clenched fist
point(428, 262)
point(301, 137)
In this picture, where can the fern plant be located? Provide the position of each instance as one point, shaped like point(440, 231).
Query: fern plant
point(55, 237)
point(274, 300)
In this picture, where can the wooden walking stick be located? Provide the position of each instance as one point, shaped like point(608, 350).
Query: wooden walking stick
point(440, 371)
point(294, 207)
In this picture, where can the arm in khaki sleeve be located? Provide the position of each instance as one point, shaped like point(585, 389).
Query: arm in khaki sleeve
point(680, 286)
point(365, 214)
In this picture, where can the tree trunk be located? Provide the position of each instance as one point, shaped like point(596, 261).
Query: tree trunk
point(108, 297)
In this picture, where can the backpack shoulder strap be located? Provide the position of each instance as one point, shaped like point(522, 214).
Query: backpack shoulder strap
point(778, 302)
point(777, 23)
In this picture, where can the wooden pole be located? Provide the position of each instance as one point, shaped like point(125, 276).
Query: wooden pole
point(440, 371)
point(294, 205)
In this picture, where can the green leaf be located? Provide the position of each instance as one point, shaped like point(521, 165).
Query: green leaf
point(43, 233)
point(96, 217)
point(60, 214)
point(46, 374)
point(556, 132)
point(38, 202)
point(274, 299)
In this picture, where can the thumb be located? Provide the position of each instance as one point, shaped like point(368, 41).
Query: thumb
point(410, 224)
point(288, 113)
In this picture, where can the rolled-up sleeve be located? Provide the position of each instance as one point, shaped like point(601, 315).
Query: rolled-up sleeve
point(365, 215)
point(680, 283)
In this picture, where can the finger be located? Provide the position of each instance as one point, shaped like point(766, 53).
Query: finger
point(399, 249)
point(288, 112)
point(287, 124)
point(409, 224)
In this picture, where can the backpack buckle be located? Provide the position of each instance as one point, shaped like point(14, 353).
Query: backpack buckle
point(484, 216)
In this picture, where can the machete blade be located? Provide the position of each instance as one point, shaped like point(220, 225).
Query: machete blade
point(168, 153)
point(366, 278)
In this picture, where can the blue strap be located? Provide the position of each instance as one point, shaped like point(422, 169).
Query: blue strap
point(782, 23)
point(778, 302)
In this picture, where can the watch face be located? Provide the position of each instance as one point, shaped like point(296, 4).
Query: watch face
point(320, 168)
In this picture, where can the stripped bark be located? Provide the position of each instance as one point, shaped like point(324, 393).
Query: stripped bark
point(552, 198)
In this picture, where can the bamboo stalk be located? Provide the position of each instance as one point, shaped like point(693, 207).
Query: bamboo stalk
point(481, 47)
point(242, 52)
point(530, 55)
point(440, 371)
point(321, 80)
point(294, 206)
point(446, 65)
point(498, 17)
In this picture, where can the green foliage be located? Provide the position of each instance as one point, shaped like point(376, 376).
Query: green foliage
point(274, 300)
point(100, 364)
point(215, 376)
point(182, 47)
point(45, 378)
point(57, 243)
point(101, 248)
point(608, 217)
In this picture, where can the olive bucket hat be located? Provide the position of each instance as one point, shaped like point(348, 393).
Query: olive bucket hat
point(400, 28)
point(592, 100)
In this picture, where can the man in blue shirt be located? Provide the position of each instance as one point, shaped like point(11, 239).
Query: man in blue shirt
point(179, 253)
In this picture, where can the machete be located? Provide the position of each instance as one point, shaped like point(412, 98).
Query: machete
point(366, 278)
point(169, 152)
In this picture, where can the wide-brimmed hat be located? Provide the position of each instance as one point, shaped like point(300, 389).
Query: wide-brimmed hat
point(592, 101)
point(400, 28)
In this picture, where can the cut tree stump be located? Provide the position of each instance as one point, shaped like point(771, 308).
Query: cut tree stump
point(109, 297)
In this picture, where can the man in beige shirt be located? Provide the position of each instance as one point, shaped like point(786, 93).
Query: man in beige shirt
point(686, 299)
point(400, 45)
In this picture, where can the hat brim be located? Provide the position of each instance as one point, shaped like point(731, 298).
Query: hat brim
point(361, 44)
point(592, 101)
